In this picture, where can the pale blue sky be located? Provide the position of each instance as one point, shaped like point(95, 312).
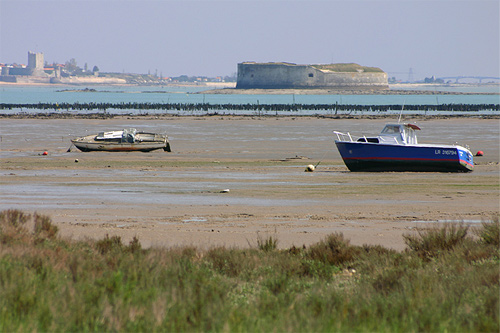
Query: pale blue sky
point(209, 38)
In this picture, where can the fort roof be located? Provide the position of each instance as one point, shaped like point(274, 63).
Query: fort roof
point(339, 67)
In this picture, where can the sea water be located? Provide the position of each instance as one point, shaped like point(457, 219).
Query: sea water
point(487, 94)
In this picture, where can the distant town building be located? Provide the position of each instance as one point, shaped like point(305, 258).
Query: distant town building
point(35, 61)
point(33, 72)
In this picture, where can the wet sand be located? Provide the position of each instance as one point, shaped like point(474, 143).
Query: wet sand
point(180, 198)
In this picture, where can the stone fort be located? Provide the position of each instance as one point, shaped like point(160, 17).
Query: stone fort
point(281, 75)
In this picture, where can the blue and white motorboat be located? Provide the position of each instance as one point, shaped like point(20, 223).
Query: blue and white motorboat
point(396, 149)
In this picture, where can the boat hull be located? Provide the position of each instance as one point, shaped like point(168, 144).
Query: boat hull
point(86, 146)
point(147, 142)
point(373, 157)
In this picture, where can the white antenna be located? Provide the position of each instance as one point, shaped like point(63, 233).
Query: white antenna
point(400, 113)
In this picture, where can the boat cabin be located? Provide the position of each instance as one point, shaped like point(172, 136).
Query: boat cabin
point(401, 134)
point(125, 136)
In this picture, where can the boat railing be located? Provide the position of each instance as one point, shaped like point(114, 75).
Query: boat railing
point(343, 136)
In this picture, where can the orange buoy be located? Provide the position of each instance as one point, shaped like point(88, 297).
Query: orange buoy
point(480, 153)
point(45, 153)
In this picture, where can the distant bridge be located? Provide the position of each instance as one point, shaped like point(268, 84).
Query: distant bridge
point(480, 78)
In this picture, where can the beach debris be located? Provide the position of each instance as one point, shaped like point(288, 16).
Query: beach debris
point(349, 272)
point(76, 161)
point(225, 191)
point(480, 153)
point(310, 168)
point(45, 153)
point(296, 157)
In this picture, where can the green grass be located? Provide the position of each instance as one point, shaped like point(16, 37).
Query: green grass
point(447, 280)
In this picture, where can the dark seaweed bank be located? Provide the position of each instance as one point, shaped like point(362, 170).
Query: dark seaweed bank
point(228, 108)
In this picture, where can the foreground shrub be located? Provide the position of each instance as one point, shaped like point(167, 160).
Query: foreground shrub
point(227, 261)
point(269, 244)
point(14, 218)
point(334, 250)
point(490, 232)
point(108, 244)
point(44, 228)
point(114, 245)
point(14, 223)
point(431, 242)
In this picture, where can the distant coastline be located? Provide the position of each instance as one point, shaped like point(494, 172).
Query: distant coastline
point(111, 82)
point(228, 88)
point(394, 89)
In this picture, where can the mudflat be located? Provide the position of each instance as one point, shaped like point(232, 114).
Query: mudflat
point(232, 180)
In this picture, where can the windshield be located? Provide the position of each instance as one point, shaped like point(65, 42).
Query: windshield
point(391, 129)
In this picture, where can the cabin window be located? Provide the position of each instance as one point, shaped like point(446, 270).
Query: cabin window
point(391, 129)
point(373, 140)
point(311, 75)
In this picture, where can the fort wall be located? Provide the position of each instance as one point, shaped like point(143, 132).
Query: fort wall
point(253, 75)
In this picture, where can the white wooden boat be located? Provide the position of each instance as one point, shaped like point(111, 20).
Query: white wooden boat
point(125, 140)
